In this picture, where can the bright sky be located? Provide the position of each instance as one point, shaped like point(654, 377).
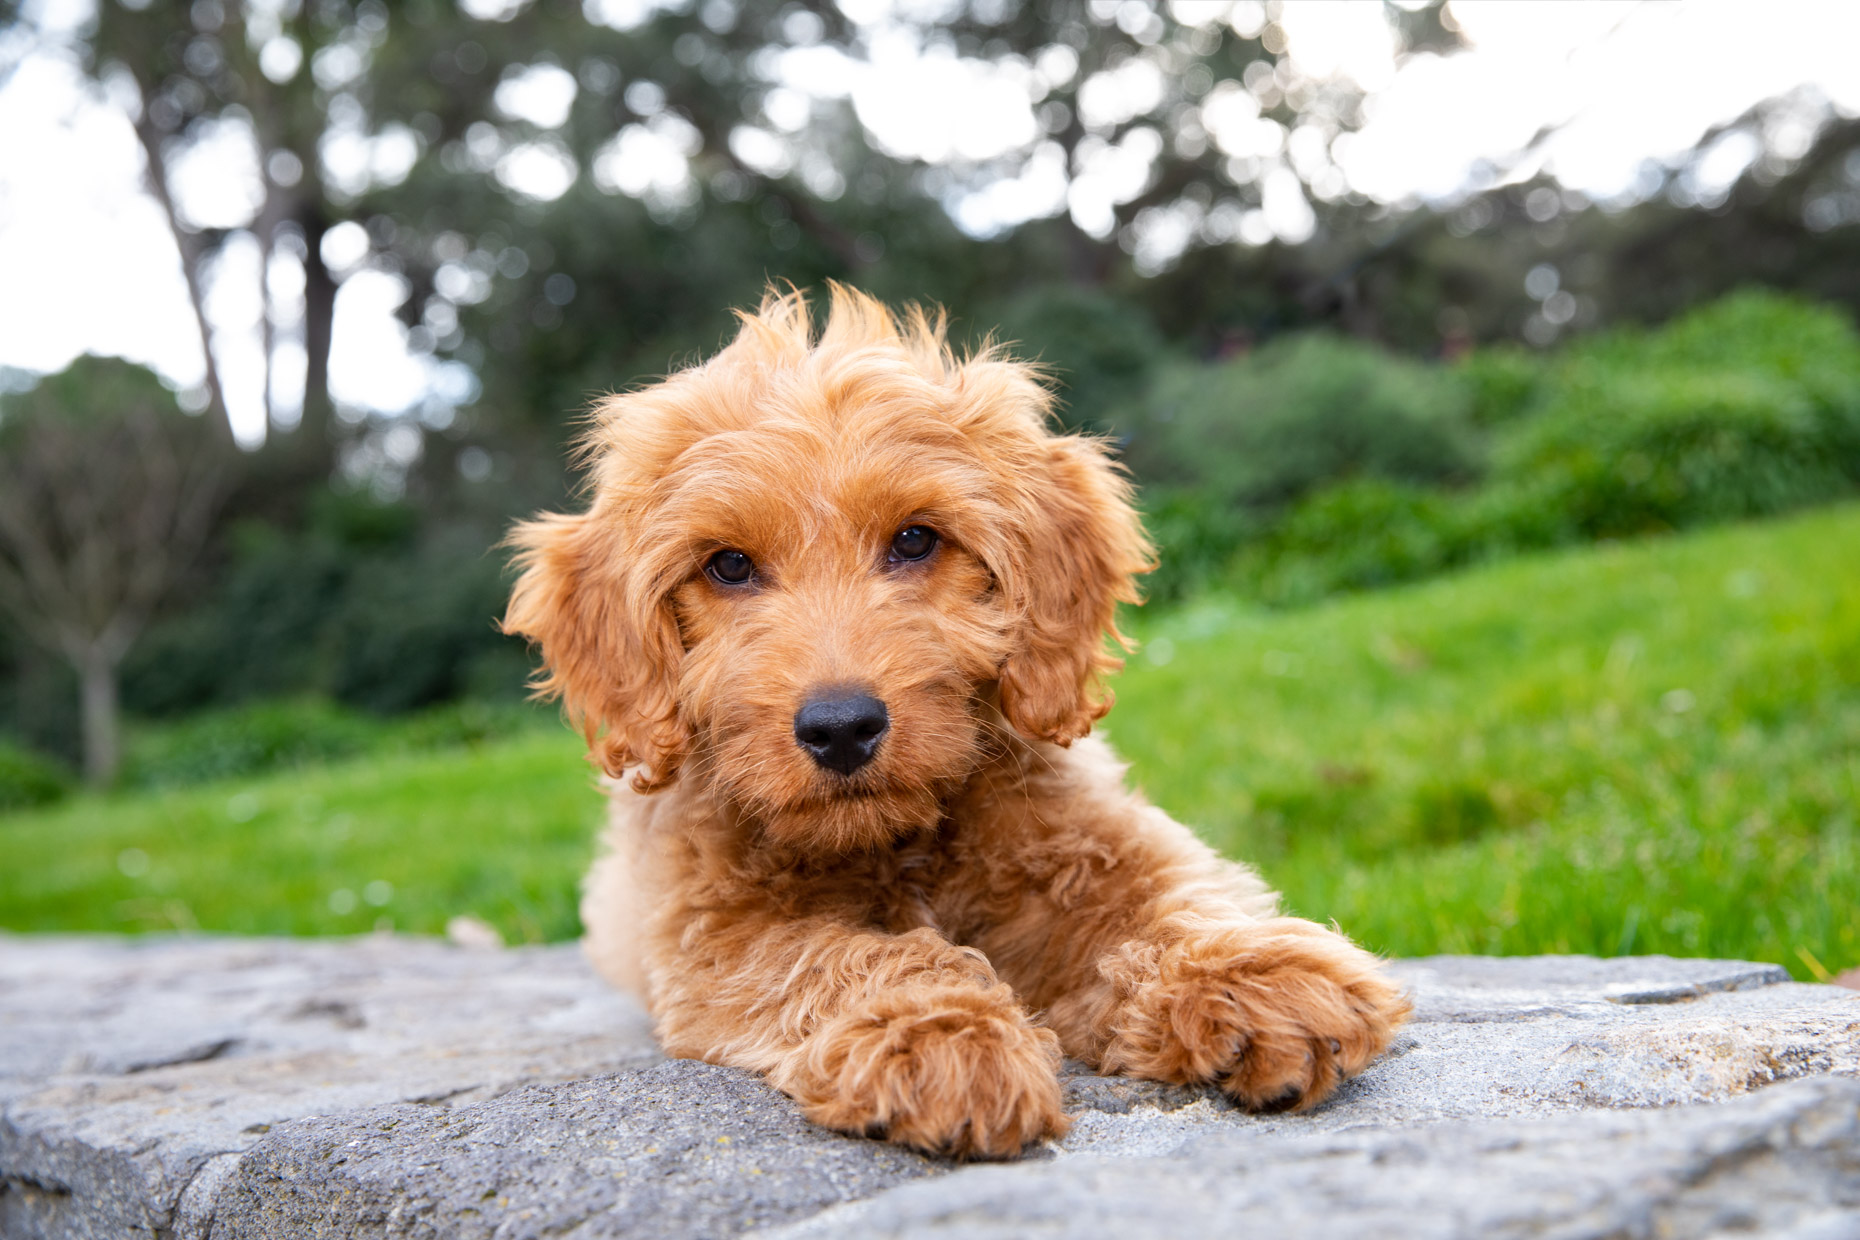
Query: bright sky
point(87, 264)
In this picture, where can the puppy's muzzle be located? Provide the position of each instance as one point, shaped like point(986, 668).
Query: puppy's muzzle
point(841, 731)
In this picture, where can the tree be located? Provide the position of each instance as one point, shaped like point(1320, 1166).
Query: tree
point(107, 492)
point(197, 70)
point(1166, 127)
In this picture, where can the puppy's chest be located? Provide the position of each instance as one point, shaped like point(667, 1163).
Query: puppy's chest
point(935, 881)
point(950, 879)
point(897, 886)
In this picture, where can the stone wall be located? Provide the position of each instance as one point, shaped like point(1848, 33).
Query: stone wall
point(220, 1088)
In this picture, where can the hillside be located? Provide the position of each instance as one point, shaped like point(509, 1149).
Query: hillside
point(1651, 748)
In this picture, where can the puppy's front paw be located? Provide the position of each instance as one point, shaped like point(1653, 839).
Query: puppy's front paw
point(948, 1070)
point(1277, 1014)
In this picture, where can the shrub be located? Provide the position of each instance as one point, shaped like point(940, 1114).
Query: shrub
point(39, 701)
point(1099, 350)
point(265, 736)
point(358, 607)
point(1619, 454)
point(470, 721)
point(1500, 382)
point(1752, 331)
point(1812, 350)
point(257, 634)
point(28, 779)
point(1262, 431)
point(409, 630)
point(1743, 408)
point(245, 740)
point(1196, 534)
point(1356, 535)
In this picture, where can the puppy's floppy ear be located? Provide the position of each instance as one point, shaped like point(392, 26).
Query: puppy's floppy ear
point(1080, 545)
point(610, 643)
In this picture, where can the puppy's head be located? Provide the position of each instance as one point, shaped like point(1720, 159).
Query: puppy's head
point(815, 573)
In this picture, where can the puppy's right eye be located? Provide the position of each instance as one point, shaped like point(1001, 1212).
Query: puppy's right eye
point(730, 568)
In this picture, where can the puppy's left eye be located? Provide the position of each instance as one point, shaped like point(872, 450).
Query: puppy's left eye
point(730, 568)
point(913, 542)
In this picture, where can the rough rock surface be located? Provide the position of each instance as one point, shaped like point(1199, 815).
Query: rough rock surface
point(396, 1087)
point(1786, 1162)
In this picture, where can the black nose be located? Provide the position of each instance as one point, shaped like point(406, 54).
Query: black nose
point(841, 733)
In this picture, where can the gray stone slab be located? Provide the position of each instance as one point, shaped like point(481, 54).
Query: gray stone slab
point(127, 1066)
point(1493, 988)
point(1783, 1163)
point(677, 1150)
point(398, 1087)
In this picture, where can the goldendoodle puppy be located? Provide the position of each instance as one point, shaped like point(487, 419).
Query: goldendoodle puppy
point(834, 624)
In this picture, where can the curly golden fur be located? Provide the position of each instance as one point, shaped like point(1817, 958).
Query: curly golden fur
point(906, 947)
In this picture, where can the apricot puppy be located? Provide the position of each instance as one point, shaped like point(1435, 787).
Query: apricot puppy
point(834, 624)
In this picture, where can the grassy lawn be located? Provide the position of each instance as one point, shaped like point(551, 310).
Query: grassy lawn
point(501, 830)
point(1632, 749)
point(1640, 748)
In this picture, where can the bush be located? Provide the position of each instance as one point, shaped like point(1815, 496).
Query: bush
point(1753, 331)
point(1197, 533)
point(1357, 535)
point(1652, 454)
point(1262, 431)
point(1744, 408)
point(245, 740)
point(28, 779)
point(1619, 454)
point(266, 736)
point(410, 631)
point(1811, 350)
point(470, 721)
point(1099, 350)
point(39, 701)
point(1500, 383)
point(357, 607)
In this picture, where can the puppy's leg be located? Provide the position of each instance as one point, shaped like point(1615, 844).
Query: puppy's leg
point(1277, 1012)
point(1153, 957)
point(903, 1035)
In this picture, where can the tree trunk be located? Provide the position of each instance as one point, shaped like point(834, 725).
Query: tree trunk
point(194, 254)
point(102, 738)
point(317, 428)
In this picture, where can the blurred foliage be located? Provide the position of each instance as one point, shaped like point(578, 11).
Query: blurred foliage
point(775, 183)
point(1225, 449)
point(28, 779)
point(38, 700)
point(246, 740)
point(1501, 381)
point(1099, 351)
point(1260, 431)
point(1743, 408)
point(289, 733)
point(1197, 536)
point(1652, 451)
point(108, 493)
point(362, 606)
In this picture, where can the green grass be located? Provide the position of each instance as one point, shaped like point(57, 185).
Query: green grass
point(1649, 747)
point(502, 831)
point(1639, 748)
